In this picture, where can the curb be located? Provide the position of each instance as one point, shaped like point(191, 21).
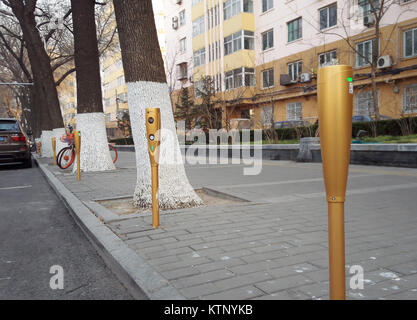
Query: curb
point(139, 278)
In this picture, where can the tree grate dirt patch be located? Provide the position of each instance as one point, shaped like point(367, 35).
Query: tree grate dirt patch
point(125, 206)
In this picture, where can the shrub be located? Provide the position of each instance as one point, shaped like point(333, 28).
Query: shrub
point(122, 141)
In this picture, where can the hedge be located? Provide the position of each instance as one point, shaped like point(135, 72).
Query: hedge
point(122, 141)
point(383, 128)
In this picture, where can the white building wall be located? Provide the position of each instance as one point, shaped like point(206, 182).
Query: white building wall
point(172, 39)
point(349, 23)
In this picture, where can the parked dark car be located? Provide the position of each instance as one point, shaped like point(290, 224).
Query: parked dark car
point(14, 144)
point(361, 119)
point(290, 124)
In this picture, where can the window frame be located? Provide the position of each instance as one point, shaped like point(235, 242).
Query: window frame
point(269, 5)
point(181, 18)
point(268, 78)
point(327, 63)
point(327, 8)
point(414, 110)
point(358, 58)
point(413, 43)
point(299, 29)
point(295, 66)
point(268, 39)
point(370, 111)
point(296, 105)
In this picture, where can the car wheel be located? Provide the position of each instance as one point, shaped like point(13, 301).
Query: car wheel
point(27, 163)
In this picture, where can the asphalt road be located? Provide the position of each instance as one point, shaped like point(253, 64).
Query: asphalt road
point(36, 233)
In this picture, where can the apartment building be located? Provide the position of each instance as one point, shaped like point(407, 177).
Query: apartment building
point(264, 55)
point(115, 102)
point(67, 99)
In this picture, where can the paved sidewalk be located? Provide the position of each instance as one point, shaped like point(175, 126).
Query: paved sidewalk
point(275, 246)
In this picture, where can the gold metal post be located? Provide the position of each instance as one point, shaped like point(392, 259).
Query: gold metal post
point(153, 126)
point(335, 98)
point(54, 149)
point(77, 141)
point(155, 202)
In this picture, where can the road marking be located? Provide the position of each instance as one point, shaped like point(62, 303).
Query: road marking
point(386, 172)
point(17, 187)
point(297, 197)
point(273, 183)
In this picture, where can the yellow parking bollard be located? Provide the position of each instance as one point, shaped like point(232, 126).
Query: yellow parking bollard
point(54, 149)
point(77, 141)
point(153, 126)
point(335, 98)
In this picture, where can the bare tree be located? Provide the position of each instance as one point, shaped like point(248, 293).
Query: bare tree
point(44, 83)
point(146, 88)
point(95, 155)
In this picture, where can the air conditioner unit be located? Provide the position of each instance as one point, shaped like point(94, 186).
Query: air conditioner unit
point(285, 80)
point(384, 62)
point(175, 22)
point(305, 77)
point(368, 21)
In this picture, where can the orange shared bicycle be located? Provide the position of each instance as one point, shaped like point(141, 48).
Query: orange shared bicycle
point(66, 156)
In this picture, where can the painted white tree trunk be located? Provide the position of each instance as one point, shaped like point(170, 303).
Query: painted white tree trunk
point(46, 141)
point(57, 133)
point(95, 154)
point(175, 191)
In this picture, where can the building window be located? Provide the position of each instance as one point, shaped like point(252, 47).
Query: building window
point(183, 45)
point(199, 88)
point(267, 5)
point(108, 117)
point(232, 8)
point(294, 30)
point(267, 115)
point(367, 6)
point(268, 39)
point(364, 103)
point(328, 58)
point(218, 82)
point(182, 71)
point(198, 26)
point(364, 53)
point(410, 99)
point(328, 16)
point(248, 6)
point(199, 57)
point(233, 42)
point(268, 78)
point(120, 81)
point(194, 2)
point(213, 17)
point(239, 77)
point(228, 80)
point(248, 40)
point(182, 18)
point(295, 69)
point(294, 111)
point(249, 77)
point(410, 43)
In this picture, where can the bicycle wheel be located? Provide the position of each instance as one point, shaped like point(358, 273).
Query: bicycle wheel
point(113, 153)
point(66, 157)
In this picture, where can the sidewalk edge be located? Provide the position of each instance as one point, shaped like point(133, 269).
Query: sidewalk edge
point(139, 278)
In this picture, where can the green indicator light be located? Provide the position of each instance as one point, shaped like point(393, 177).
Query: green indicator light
point(349, 79)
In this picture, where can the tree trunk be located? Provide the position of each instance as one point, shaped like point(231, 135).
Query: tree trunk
point(374, 66)
point(49, 110)
point(147, 88)
point(95, 154)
